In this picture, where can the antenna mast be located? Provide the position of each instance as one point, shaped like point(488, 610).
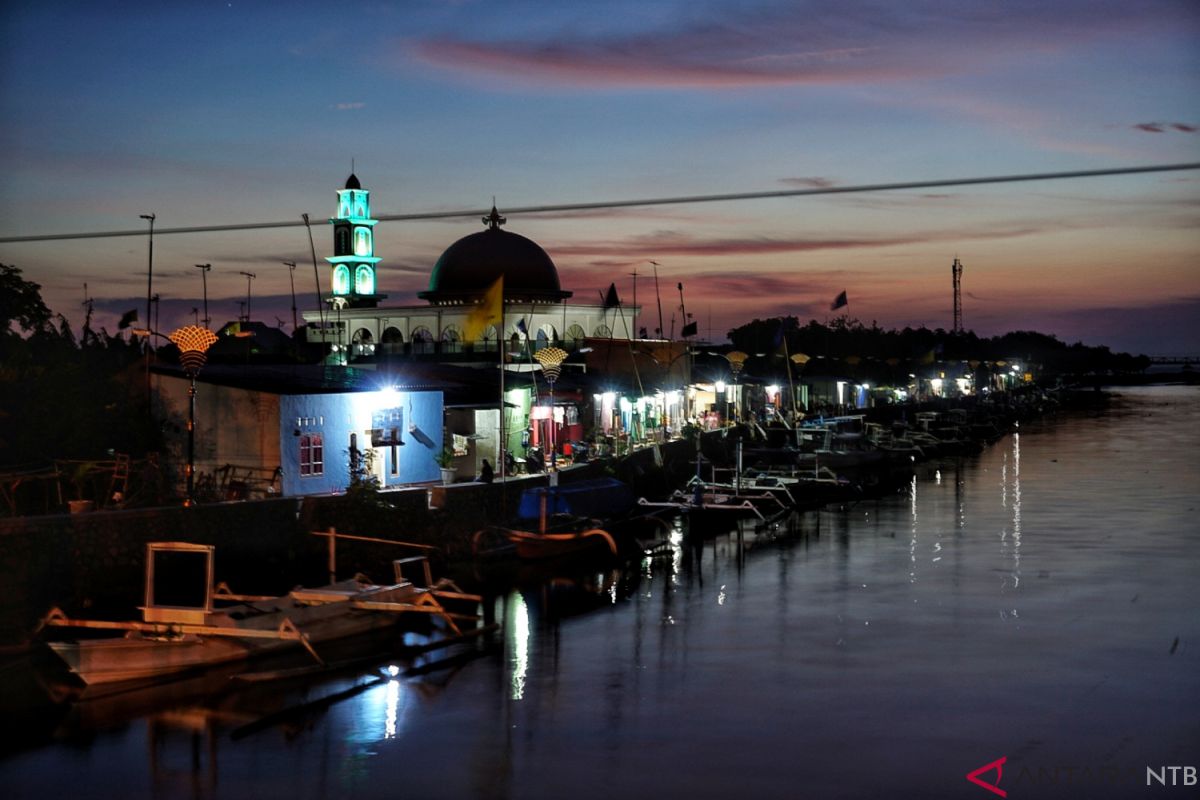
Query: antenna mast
point(956, 273)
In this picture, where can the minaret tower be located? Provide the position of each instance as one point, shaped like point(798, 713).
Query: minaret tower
point(956, 273)
point(353, 260)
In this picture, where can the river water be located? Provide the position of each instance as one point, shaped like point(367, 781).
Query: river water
point(1038, 603)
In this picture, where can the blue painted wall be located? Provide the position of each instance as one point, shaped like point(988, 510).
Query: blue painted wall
point(336, 416)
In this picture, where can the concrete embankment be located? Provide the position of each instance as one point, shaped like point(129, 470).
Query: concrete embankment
point(94, 563)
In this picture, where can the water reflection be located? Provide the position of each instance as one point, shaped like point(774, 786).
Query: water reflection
point(517, 634)
point(1013, 525)
point(912, 544)
point(1016, 449)
point(392, 701)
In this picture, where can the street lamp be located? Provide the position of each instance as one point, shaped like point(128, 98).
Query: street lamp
point(193, 343)
point(204, 270)
point(149, 290)
point(799, 359)
point(551, 359)
point(291, 265)
point(737, 360)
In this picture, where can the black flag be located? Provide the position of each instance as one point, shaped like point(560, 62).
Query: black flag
point(610, 298)
point(839, 301)
point(688, 330)
point(127, 319)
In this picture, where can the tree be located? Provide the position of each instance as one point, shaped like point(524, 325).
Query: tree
point(21, 304)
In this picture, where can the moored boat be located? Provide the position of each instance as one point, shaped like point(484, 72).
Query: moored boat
point(172, 639)
point(598, 516)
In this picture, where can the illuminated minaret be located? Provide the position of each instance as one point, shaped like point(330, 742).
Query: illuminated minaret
point(353, 260)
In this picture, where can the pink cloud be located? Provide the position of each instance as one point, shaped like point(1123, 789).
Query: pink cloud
point(815, 43)
point(670, 243)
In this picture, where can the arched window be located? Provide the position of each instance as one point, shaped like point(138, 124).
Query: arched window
point(342, 248)
point(364, 280)
point(575, 336)
point(602, 331)
point(360, 204)
point(341, 279)
point(362, 344)
point(392, 340)
point(362, 241)
point(343, 204)
point(487, 342)
point(451, 340)
point(422, 340)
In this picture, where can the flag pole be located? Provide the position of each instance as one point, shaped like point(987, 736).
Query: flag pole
point(502, 456)
point(787, 360)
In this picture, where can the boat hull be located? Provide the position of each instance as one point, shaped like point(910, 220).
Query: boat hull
point(138, 658)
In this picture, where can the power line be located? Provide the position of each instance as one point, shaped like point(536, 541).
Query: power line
point(657, 201)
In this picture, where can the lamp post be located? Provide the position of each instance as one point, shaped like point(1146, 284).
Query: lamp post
point(799, 359)
point(204, 270)
point(551, 359)
point(149, 290)
point(291, 265)
point(737, 360)
point(193, 343)
point(250, 276)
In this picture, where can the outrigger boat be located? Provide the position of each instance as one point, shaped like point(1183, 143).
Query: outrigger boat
point(595, 515)
point(172, 639)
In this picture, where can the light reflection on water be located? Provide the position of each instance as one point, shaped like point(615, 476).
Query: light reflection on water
point(848, 653)
point(517, 641)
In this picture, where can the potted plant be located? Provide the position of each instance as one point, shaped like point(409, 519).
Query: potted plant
point(445, 460)
point(82, 478)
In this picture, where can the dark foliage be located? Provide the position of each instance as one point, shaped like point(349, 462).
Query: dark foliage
point(63, 397)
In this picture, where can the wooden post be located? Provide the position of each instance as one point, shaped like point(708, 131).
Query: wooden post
point(332, 555)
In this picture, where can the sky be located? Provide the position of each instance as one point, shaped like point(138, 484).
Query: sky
point(210, 113)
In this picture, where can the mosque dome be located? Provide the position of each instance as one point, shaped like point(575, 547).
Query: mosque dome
point(471, 265)
point(352, 182)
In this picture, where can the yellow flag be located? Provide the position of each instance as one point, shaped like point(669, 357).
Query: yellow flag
point(489, 312)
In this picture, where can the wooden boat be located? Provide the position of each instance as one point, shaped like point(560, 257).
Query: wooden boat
point(590, 516)
point(711, 500)
point(172, 639)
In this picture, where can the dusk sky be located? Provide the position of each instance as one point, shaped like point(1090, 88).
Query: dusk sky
point(207, 113)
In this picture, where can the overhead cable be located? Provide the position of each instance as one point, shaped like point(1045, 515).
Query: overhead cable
point(657, 201)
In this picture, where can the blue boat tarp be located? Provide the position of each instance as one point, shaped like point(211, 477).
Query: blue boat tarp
point(597, 497)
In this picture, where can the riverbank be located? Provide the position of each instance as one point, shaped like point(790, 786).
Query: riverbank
point(88, 562)
point(1034, 602)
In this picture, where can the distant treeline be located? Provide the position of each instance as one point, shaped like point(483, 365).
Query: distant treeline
point(845, 337)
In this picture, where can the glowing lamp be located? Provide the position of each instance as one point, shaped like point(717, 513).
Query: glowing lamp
point(193, 342)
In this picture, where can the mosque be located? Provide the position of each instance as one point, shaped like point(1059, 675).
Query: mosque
point(538, 313)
